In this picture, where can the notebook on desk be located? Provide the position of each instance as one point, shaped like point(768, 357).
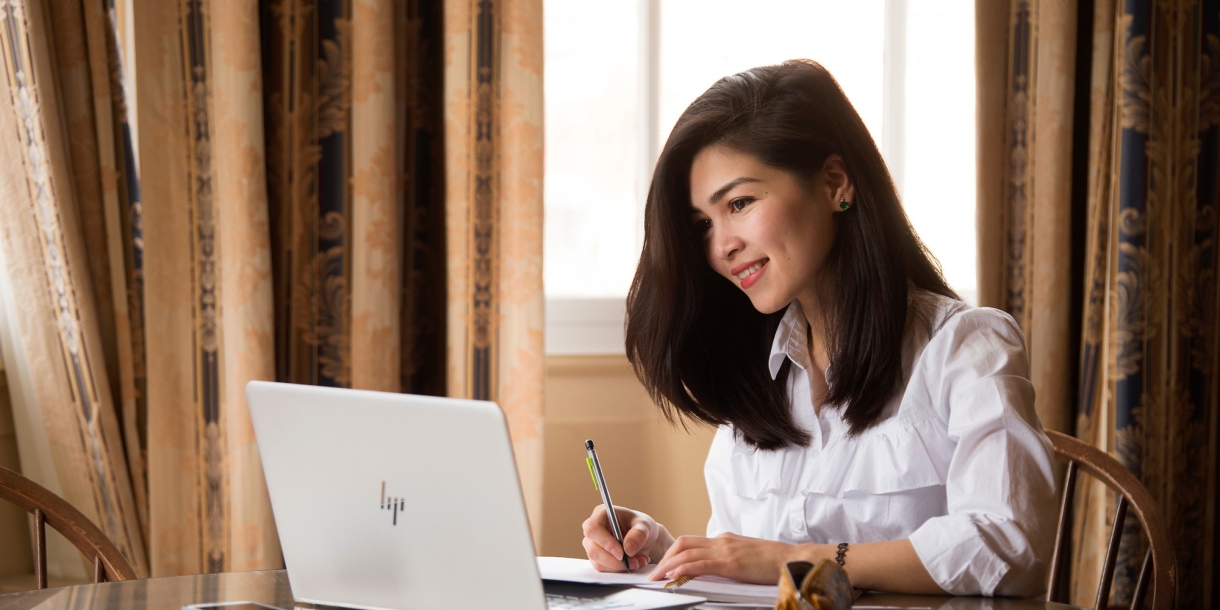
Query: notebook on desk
point(405, 502)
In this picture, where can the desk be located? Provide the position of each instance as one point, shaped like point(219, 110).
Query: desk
point(271, 587)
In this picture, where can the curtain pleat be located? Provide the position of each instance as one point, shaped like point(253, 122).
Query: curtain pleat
point(1095, 505)
point(521, 302)
point(493, 134)
point(107, 187)
point(90, 77)
point(208, 286)
point(1149, 381)
point(376, 209)
point(125, 231)
point(62, 186)
point(307, 54)
point(421, 116)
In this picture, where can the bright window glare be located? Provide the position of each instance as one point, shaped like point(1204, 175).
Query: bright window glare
point(940, 189)
point(594, 147)
point(705, 40)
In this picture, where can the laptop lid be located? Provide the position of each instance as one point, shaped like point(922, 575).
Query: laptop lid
point(394, 500)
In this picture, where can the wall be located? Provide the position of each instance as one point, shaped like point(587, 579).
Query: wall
point(649, 464)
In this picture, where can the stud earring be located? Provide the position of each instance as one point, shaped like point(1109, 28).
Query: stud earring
point(844, 203)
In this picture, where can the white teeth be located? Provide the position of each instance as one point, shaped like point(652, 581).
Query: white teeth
point(744, 274)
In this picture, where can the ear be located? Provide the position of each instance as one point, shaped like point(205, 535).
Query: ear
point(838, 183)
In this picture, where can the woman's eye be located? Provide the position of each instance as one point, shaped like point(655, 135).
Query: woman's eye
point(702, 226)
point(740, 203)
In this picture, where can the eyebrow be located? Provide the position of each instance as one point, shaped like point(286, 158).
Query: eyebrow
point(718, 195)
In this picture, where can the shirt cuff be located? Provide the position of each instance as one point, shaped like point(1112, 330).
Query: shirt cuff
point(957, 557)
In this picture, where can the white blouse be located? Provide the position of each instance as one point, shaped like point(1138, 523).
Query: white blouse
point(957, 463)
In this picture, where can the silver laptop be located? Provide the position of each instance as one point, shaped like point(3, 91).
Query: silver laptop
point(405, 502)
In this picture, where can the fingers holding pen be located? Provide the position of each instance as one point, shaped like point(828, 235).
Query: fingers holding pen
point(603, 548)
point(602, 560)
point(638, 538)
point(597, 528)
point(621, 533)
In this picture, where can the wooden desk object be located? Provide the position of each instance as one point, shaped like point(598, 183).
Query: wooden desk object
point(271, 587)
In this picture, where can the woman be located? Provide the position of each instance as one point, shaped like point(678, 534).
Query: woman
point(783, 296)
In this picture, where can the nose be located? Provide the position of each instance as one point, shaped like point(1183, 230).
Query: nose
point(724, 244)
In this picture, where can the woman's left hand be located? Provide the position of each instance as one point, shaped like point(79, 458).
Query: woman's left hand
point(727, 555)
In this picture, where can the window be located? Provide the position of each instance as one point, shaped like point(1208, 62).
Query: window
point(618, 75)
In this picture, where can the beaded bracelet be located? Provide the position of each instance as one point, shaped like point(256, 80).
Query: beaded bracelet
point(841, 556)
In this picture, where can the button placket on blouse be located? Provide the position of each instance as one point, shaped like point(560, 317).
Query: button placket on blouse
point(822, 424)
point(805, 416)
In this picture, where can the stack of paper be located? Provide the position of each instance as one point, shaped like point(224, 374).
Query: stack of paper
point(713, 588)
point(723, 590)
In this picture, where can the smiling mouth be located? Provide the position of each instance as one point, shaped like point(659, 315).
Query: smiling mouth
point(750, 274)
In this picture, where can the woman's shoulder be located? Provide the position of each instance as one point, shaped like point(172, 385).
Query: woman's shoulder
point(971, 349)
point(962, 334)
point(947, 318)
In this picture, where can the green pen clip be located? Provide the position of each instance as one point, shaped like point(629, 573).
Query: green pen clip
point(589, 463)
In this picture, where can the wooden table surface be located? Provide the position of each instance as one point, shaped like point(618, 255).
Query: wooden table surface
point(271, 587)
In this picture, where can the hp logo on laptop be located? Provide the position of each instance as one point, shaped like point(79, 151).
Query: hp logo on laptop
point(392, 504)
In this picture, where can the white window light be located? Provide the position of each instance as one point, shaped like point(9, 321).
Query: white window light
point(619, 74)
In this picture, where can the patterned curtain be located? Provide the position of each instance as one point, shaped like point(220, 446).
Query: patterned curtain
point(405, 179)
point(1025, 137)
point(207, 279)
point(345, 193)
point(493, 218)
point(70, 256)
point(1145, 183)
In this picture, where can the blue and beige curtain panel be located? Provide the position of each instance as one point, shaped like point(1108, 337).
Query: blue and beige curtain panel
point(1099, 134)
point(332, 192)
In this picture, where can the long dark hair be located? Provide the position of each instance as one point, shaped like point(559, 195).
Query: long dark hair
point(694, 338)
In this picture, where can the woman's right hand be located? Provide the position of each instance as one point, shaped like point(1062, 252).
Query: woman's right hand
point(643, 538)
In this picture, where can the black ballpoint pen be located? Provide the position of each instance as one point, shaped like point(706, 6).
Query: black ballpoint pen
point(599, 481)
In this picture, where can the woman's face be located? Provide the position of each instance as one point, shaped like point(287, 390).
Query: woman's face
point(763, 229)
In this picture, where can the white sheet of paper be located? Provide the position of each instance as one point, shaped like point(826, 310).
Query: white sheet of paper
point(580, 570)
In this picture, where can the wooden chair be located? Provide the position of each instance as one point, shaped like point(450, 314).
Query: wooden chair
point(1159, 567)
point(48, 508)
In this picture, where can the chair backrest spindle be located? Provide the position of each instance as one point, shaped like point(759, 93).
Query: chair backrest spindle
point(1107, 569)
point(40, 549)
point(1141, 585)
point(1055, 592)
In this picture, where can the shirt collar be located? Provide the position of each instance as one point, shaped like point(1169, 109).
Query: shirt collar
point(789, 340)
